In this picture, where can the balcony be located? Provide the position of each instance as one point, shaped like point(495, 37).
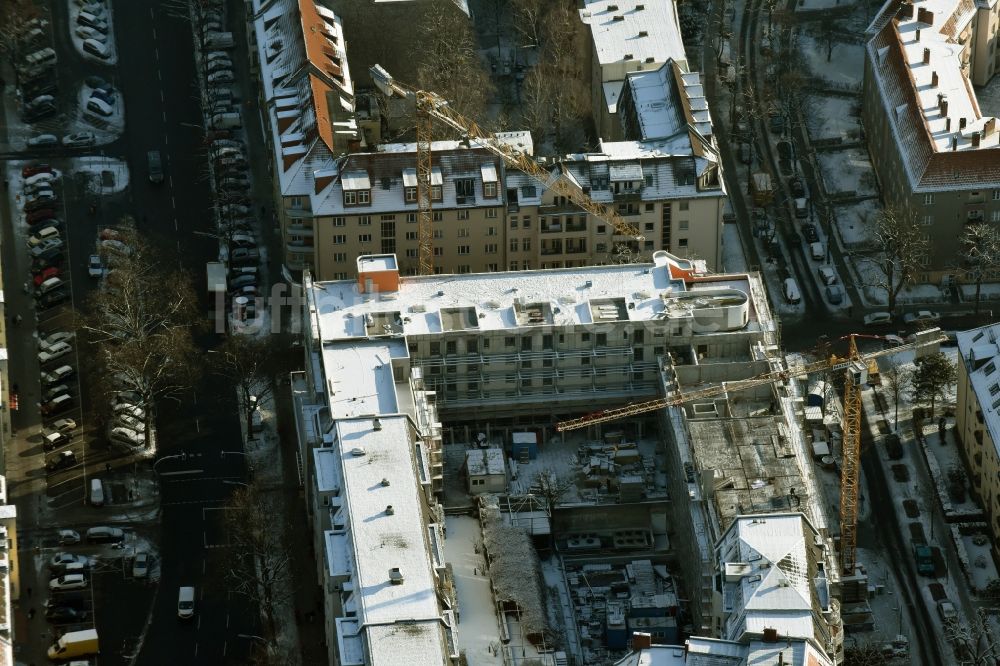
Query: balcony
point(556, 247)
point(300, 248)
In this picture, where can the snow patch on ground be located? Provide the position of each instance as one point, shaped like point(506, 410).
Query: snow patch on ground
point(847, 171)
point(733, 260)
point(105, 175)
point(846, 66)
point(478, 630)
point(814, 5)
point(832, 117)
point(854, 223)
point(115, 123)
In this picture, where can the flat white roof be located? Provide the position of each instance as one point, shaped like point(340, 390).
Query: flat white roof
point(377, 262)
point(326, 462)
point(359, 377)
point(480, 462)
point(381, 541)
point(640, 29)
point(416, 643)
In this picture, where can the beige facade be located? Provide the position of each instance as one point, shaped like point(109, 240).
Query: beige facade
point(977, 421)
point(935, 154)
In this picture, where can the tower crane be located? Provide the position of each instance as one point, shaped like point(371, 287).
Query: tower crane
point(855, 367)
point(430, 106)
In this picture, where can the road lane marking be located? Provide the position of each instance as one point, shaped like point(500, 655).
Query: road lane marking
point(162, 97)
point(170, 178)
point(203, 567)
point(166, 140)
point(196, 649)
point(199, 622)
point(173, 203)
point(151, 13)
point(175, 225)
point(154, 30)
point(156, 50)
point(164, 116)
point(227, 620)
point(225, 643)
point(197, 425)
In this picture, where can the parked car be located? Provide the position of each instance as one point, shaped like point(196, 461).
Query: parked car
point(44, 274)
point(53, 440)
point(809, 231)
point(140, 565)
point(55, 392)
point(54, 353)
point(105, 535)
point(95, 268)
point(223, 76)
point(947, 611)
point(797, 188)
point(43, 141)
point(878, 319)
point(35, 169)
point(132, 410)
point(64, 425)
point(39, 204)
point(244, 255)
point(79, 140)
point(835, 294)
point(127, 436)
point(40, 215)
point(68, 537)
point(60, 560)
point(922, 317)
point(84, 32)
point(131, 422)
point(827, 275)
point(65, 615)
point(68, 582)
point(61, 460)
point(106, 96)
point(58, 404)
point(60, 374)
point(96, 48)
point(53, 298)
point(35, 113)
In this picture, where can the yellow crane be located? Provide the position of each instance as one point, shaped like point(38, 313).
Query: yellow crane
point(430, 106)
point(855, 367)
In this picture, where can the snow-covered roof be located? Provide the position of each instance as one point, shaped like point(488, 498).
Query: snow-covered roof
point(980, 352)
point(656, 655)
point(326, 462)
point(662, 103)
point(496, 301)
point(359, 377)
point(483, 462)
point(414, 643)
point(766, 565)
point(640, 32)
point(308, 90)
point(390, 170)
point(379, 470)
point(926, 103)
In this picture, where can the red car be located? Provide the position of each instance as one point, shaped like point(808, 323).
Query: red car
point(33, 169)
point(40, 215)
point(45, 274)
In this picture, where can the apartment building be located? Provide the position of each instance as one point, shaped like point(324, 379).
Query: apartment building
point(10, 589)
point(934, 151)
point(307, 102)
point(977, 418)
point(698, 651)
point(627, 36)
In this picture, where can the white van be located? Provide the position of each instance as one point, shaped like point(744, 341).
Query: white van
point(42, 235)
point(817, 251)
point(185, 603)
point(791, 290)
point(226, 121)
point(39, 58)
point(96, 492)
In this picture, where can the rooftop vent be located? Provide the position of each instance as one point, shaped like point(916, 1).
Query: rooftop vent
point(975, 139)
point(639, 8)
point(927, 56)
point(440, 292)
point(389, 511)
point(377, 424)
point(588, 283)
point(905, 11)
point(627, 56)
point(617, 17)
point(934, 79)
point(643, 33)
point(961, 123)
point(770, 635)
point(357, 453)
point(612, 8)
point(650, 59)
point(395, 576)
point(385, 483)
point(917, 33)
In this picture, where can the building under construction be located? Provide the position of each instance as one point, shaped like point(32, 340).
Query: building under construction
point(454, 389)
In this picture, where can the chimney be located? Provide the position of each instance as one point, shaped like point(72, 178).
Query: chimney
point(395, 576)
point(975, 139)
point(925, 16)
point(918, 34)
point(927, 56)
point(377, 424)
point(961, 124)
point(954, 142)
point(934, 80)
point(990, 127)
point(947, 124)
point(641, 641)
point(905, 11)
point(385, 483)
point(770, 635)
point(389, 511)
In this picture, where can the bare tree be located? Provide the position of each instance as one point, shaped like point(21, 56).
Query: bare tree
point(141, 322)
point(251, 363)
point(529, 19)
point(898, 248)
point(897, 380)
point(13, 17)
point(260, 564)
point(979, 254)
point(551, 486)
point(974, 643)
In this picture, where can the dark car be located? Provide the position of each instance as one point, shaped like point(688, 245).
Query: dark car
point(65, 615)
point(53, 298)
point(40, 112)
point(41, 87)
point(76, 599)
point(39, 204)
point(244, 255)
point(33, 169)
point(40, 215)
point(61, 460)
point(797, 188)
point(105, 535)
point(784, 150)
point(777, 123)
point(809, 231)
point(57, 259)
point(53, 440)
point(106, 96)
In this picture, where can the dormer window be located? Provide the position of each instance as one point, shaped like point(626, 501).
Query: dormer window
point(490, 190)
point(410, 194)
point(437, 183)
point(488, 171)
point(357, 188)
point(465, 189)
point(436, 193)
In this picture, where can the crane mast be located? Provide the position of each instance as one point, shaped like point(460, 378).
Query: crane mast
point(429, 107)
point(855, 367)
